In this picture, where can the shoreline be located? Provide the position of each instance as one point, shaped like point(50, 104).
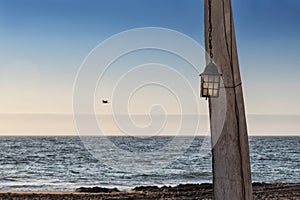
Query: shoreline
point(284, 191)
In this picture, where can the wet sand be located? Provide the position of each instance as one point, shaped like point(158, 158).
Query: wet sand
point(282, 191)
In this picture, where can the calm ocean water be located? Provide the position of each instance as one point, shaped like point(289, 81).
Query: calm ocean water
point(49, 163)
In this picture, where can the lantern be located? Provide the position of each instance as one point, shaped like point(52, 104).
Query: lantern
point(210, 81)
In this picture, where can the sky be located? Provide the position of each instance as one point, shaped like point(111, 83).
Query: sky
point(44, 43)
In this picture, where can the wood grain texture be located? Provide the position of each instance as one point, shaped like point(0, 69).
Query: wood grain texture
point(231, 162)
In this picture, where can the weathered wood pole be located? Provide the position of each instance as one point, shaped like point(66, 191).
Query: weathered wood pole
point(231, 162)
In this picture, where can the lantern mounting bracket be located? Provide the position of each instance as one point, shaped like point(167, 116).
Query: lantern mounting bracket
point(232, 86)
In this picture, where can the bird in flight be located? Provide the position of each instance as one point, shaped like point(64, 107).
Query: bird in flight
point(105, 101)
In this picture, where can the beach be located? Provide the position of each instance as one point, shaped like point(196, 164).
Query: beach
point(261, 191)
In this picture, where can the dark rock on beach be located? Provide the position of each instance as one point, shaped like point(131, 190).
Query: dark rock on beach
point(96, 190)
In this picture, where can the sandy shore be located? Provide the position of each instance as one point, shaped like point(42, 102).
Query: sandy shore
point(282, 191)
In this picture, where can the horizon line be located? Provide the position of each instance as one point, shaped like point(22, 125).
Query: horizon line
point(136, 114)
point(141, 136)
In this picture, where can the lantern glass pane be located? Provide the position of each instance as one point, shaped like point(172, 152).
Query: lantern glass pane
point(205, 78)
point(216, 85)
point(210, 92)
point(216, 78)
point(204, 92)
point(215, 93)
point(208, 85)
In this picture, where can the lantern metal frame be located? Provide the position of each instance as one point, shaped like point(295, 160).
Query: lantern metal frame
point(210, 81)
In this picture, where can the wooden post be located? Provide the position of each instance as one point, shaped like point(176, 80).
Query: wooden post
point(231, 162)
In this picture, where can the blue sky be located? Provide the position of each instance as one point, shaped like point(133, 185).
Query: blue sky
point(43, 43)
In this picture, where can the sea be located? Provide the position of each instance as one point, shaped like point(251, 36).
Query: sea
point(64, 163)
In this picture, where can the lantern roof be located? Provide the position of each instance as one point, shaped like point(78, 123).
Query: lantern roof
point(211, 69)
